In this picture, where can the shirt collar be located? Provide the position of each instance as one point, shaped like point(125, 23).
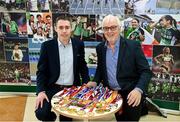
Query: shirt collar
point(61, 44)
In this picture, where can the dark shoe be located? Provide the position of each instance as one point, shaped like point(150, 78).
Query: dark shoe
point(64, 118)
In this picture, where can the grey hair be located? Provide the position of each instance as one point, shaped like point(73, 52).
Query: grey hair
point(110, 16)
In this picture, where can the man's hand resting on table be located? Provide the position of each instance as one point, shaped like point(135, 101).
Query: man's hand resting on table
point(91, 84)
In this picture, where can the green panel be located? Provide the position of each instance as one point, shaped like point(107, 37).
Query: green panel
point(167, 104)
point(17, 88)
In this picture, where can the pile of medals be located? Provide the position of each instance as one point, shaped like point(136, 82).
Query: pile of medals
point(86, 101)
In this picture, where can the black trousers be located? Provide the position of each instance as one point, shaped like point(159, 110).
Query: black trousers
point(45, 113)
point(129, 113)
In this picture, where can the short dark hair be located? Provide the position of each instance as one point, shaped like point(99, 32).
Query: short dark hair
point(63, 17)
point(16, 44)
point(48, 16)
point(171, 19)
point(38, 15)
point(31, 15)
point(136, 19)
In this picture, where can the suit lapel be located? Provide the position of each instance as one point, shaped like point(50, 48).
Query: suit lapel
point(56, 53)
point(75, 48)
point(104, 49)
point(121, 54)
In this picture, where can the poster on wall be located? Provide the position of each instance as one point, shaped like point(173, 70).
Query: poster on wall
point(97, 7)
point(150, 29)
point(13, 24)
point(16, 49)
point(38, 5)
point(60, 6)
point(39, 26)
point(91, 56)
point(152, 7)
point(14, 74)
point(153, 31)
point(165, 83)
point(91, 60)
point(13, 5)
point(14, 65)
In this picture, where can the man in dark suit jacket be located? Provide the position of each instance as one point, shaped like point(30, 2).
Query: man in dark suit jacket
point(61, 64)
point(122, 66)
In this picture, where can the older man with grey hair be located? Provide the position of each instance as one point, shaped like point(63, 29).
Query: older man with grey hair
point(122, 66)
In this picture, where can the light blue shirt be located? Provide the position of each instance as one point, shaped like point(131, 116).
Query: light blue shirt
point(111, 65)
point(66, 76)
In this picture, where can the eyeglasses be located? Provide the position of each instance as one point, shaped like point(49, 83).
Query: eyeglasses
point(64, 27)
point(112, 28)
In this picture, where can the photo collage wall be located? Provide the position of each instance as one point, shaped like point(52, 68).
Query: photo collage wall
point(26, 24)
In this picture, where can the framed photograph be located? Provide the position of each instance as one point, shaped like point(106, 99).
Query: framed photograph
point(91, 56)
point(13, 24)
point(38, 5)
point(60, 6)
point(161, 29)
point(39, 26)
point(15, 74)
point(164, 85)
point(16, 49)
point(152, 7)
point(13, 5)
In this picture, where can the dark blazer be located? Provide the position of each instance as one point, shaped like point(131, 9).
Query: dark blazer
point(49, 64)
point(132, 68)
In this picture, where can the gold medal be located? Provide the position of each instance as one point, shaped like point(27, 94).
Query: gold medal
point(63, 108)
point(81, 112)
point(90, 114)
